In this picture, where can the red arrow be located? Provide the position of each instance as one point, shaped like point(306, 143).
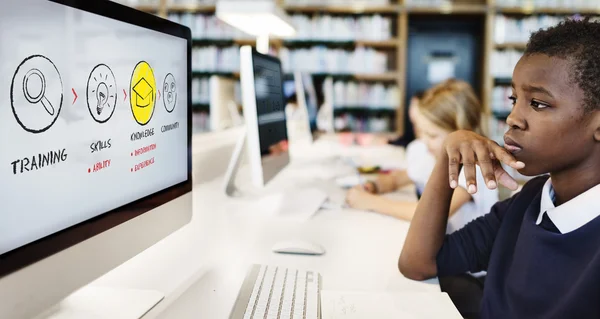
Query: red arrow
point(159, 94)
point(125, 95)
point(72, 89)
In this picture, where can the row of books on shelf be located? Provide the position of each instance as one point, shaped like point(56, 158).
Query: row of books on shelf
point(200, 122)
point(342, 28)
point(497, 128)
point(356, 123)
point(518, 30)
point(503, 62)
point(207, 26)
point(319, 59)
point(201, 91)
point(213, 59)
point(500, 101)
point(428, 3)
point(320, 27)
point(572, 4)
point(375, 96)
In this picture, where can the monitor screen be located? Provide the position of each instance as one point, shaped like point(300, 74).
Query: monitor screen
point(311, 100)
point(94, 111)
point(270, 105)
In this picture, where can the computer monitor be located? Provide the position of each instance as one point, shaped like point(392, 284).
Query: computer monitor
point(224, 111)
point(264, 113)
point(95, 164)
point(310, 99)
point(301, 109)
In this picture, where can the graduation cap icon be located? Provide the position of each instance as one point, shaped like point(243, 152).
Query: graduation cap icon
point(143, 93)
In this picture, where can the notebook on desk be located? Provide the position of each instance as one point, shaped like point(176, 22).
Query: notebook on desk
point(408, 305)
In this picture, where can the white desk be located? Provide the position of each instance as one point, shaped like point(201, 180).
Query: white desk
point(201, 267)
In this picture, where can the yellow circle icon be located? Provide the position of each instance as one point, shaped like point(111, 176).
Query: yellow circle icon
point(142, 93)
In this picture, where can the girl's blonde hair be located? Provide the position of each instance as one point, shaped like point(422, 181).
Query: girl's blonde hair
point(453, 105)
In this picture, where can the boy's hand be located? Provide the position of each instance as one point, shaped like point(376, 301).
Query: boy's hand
point(470, 149)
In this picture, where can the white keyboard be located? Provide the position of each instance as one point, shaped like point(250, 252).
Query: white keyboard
point(278, 293)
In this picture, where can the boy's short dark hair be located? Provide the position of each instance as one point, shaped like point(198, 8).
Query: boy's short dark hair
point(579, 42)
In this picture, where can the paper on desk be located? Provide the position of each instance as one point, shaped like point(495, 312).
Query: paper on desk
point(360, 305)
point(349, 181)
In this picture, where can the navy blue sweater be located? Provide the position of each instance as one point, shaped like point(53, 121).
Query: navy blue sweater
point(532, 272)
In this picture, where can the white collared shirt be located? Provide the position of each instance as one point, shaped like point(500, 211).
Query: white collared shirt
point(573, 214)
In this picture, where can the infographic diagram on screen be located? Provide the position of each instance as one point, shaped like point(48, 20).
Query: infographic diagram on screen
point(36, 94)
point(93, 114)
point(101, 93)
point(143, 93)
point(169, 93)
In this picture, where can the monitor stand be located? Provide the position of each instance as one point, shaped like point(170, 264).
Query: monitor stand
point(234, 165)
point(297, 204)
point(104, 303)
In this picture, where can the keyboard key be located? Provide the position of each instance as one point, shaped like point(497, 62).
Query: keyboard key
point(312, 289)
point(254, 295)
point(299, 298)
point(264, 293)
point(288, 295)
point(280, 293)
point(277, 292)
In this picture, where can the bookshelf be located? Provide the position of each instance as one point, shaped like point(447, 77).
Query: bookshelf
point(509, 30)
point(472, 8)
point(511, 45)
point(396, 13)
point(196, 8)
point(344, 9)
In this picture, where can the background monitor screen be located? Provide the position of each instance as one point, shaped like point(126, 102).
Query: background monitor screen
point(94, 114)
point(270, 105)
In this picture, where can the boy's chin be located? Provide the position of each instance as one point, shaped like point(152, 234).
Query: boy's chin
point(530, 171)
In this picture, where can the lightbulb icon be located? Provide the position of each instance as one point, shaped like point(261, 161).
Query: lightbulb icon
point(101, 97)
point(101, 93)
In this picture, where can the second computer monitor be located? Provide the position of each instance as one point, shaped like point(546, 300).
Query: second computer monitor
point(264, 113)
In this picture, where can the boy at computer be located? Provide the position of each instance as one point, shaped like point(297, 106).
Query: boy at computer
point(541, 248)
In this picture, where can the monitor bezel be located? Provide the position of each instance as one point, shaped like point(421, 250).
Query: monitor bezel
point(261, 174)
point(47, 246)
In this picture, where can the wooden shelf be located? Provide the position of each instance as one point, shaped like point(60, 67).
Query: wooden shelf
point(383, 44)
point(363, 109)
point(377, 77)
point(391, 43)
point(502, 81)
point(235, 75)
point(201, 106)
point(451, 9)
point(148, 8)
point(191, 8)
point(511, 45)
point(390, 76)
point(500, 115)
point(342, 9)
point(534, 10)
point(229, 42)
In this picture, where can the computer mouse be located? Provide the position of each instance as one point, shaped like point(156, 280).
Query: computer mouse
point(299, 247)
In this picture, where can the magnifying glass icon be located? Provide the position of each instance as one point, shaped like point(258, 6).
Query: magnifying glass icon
point(33, 94)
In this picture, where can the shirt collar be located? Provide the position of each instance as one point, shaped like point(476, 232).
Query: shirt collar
point(570, 215)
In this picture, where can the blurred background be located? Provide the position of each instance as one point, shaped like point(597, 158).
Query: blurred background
point(367, 58)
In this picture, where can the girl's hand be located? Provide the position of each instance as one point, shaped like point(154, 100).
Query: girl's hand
point(370, 187)
point(359, 198)
point(468, 149)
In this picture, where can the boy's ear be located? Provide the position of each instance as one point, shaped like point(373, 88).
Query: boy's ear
point(597, 127)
